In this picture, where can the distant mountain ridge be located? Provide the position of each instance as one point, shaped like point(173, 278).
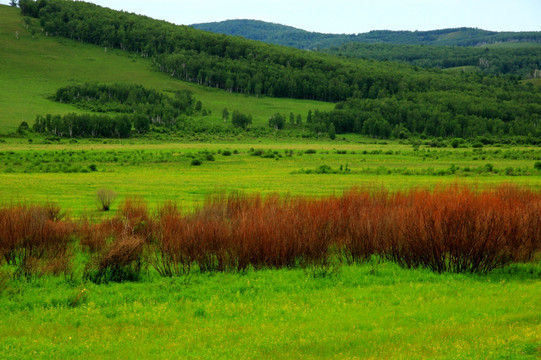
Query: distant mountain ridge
point(302, 39)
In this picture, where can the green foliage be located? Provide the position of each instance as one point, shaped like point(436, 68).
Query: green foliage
point(225, 114)
point(518, 60)
point(27, 86)
point(232, 64)
point(332, 132)
point(302, 39)
point(143, 107)
point(241, 120)
point(85, 125)
point(465, 110)
point(325, 169)
point(277, 121)
point(477, 145)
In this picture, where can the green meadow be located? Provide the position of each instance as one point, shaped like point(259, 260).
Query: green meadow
point(70, 174)
point(372, 311)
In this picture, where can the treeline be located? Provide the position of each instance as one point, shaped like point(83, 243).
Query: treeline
point(448, 113)
point(160, 109)
point(521, 55)
point(302, 39)
point(141, 108)
point(86, 125)
point(448, 37)
point(229, 63)
point(521, 60)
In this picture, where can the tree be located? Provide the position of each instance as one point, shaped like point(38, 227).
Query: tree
point(141, 124)
point(277, 121)
point(225, 114)
point(241, 120)
point(14, 3)
point(299, 120)
point(332, 132)
point(291, 119)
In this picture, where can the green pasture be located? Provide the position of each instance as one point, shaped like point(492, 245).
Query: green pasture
point(32, 68)
point(70, 174)
point(371, 311)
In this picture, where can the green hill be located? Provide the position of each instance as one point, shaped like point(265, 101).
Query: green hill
point(302, 39)
point(379, 99)
point(517, 53)
point(34, 66)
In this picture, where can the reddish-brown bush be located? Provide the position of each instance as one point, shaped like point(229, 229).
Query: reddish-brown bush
point(118, 262)
point(455, 228)
point(93, 236)
point(32, 236)
point(133, 219)
point(459, 229)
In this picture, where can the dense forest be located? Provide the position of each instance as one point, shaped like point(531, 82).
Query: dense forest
point(513, 53)
point(520, 59)
point(437, 114)
point(229, 63)
point(302, 39)
point(379, 99)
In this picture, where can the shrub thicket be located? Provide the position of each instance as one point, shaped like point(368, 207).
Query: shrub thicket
point(450, 229)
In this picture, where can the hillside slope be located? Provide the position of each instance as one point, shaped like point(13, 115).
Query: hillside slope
point(33, 67)
point(302, 39)
point(384, 99)
point(490, 52)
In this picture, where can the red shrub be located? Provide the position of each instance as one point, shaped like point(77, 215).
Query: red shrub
point(454, 228)
point(31, 236)
point(133, 219)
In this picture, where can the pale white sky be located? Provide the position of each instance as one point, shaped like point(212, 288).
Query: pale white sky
point(347, 16)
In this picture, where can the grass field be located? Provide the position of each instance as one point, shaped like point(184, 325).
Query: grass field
point(163, 171)
point(34, 68)
point(373, 311)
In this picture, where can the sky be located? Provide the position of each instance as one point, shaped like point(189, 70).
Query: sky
point(346, 16)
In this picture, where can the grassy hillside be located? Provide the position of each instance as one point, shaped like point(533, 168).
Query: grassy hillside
point(34, 67)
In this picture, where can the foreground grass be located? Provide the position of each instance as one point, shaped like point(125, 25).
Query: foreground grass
point(377, 310)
